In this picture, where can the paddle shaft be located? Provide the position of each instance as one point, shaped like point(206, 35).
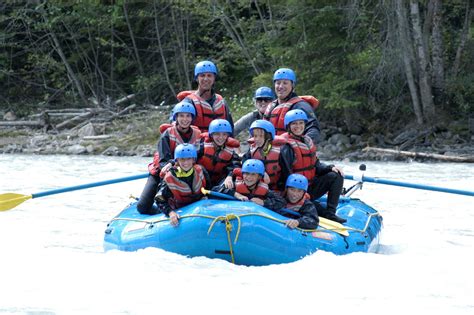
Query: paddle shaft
point(409, 185)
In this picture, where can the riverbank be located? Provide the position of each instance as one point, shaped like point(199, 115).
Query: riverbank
point(136, 134)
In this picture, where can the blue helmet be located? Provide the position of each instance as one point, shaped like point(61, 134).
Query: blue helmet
point(297, 181)
point(253, 166)
point(183, 107)
point(264, 92)
point(263, 124)
point(294, 115)
point(220, 125)
point(185, 150)
point(203, 67)
point(285, 74)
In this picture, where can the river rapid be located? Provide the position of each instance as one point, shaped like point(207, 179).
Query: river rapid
point(52, 260)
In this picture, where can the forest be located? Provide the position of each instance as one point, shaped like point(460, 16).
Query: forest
point(375, 66)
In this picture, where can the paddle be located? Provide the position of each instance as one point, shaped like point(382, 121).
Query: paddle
point(11, 200)
point(363, 178)
point(323, 222)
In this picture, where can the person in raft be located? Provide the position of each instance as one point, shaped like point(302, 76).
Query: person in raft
point(172, 135)
point(182, 184)
point(217, 153)
point(250, 187)
point(284, 81)
point(301, 151)
point(208, 104)
point(298, 201)
point(263, 97)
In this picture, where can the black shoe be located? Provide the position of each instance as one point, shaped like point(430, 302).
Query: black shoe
point(336, 218)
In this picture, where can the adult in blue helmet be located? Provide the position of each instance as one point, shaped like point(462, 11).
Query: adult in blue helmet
point(262, 98)
point(299, 156)
point(284, 81)
point(249, 186)
point(179, 132)
point(265, 146)
point(209, 105)
point(182, 183)
point(303, 213)
point(218, 152)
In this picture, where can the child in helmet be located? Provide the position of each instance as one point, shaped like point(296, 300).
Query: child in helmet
point(180, 131)
point(250, 187)
point(182, 184)
point(217, 153)
point(299, 201)
point(299, 156)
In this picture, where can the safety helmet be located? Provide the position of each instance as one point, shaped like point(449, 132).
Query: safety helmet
point(294, 115)
point(297, 181)
point(285, 74)
point(185, 150)
point(183, 107)
point(253, 166)
point(263, 124)
point(264, 92)
point(203, 67)
point(220, 125)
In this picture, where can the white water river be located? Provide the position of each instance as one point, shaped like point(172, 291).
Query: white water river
point(52, 261)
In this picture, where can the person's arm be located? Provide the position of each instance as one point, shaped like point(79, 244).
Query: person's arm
point(234, 163)
point(287, 156)
point(313, 128)
point(222, 189)
point(207, 178)
point(309, 216)
point(322, 168)
point(274, 201)
point(228, 116)
point(164, 149)
point(244, 123)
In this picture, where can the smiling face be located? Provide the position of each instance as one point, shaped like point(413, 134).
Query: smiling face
point(259, 136)
point(294, 194)
point(251, 179)
point(185, 163)
point(220, 138)
point(297, 127)
point(206, 81)
point(262, 103)
point(283, 88)
point(184, 120)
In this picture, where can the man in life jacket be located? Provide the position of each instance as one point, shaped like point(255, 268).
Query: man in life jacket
point(265, 146)
point(284, 81)
point(217, 152)
point(263, 97)
point(180, 131)
point(299, 156)
point(299, 202)
point(250, 187)
point(182, 184)
point(208, 104)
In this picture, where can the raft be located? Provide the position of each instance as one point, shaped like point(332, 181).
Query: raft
point(244, 233)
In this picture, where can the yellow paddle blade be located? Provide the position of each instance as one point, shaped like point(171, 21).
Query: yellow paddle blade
point(10, 200)
point(333, 226)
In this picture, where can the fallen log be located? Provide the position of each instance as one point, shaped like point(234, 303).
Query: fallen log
point(441, 157)
point(75, 120)
point(23, 123)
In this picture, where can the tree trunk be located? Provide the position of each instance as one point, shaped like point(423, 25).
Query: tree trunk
point(463, 39)
point(407, 56)
point(423, 81)
point(437, 53)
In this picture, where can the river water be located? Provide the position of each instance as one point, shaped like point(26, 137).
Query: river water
point(52, 261)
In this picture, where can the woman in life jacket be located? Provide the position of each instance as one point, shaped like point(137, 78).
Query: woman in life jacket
point(265, 146)
point(298, 201)
point(263, 97)
point(208, 104)
point(299, 156)
point(284, 81)
point(180, 131)
point(217, 152)
point(182, 184)
point(250, 187)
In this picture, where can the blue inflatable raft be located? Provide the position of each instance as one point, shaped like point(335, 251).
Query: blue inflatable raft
point(244, 233)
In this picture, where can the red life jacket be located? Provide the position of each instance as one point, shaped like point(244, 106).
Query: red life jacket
point(260, 191)
point(271, 160)
point(205, 112)
point(305, 156)
point(183, 194)
point(215, 164)
point(276, 113)
point(175, 140)
point(297, 206)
